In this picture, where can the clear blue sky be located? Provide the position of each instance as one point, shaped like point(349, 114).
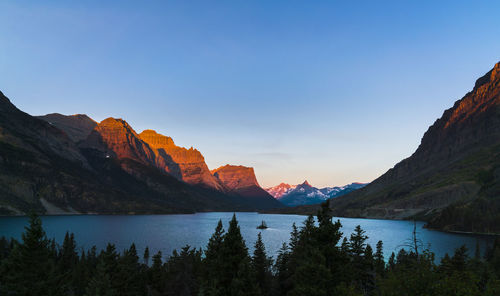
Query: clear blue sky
point(332, 92)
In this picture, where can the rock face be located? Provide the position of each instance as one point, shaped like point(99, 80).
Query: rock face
point(112, 171)
point(453, 178)
point(305, 194)
point(78, 127)
point(241, 180)
point(236, 177)
point(117, 139)
point(187, 165)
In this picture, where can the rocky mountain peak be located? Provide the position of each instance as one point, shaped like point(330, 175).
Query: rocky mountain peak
point(157, 140)
point(471, 119)
point(444, 172)
point(235, 177)
point(187, 165)
point(305, 183)
point(117, 137)
point(78, 127)
point(241, 180)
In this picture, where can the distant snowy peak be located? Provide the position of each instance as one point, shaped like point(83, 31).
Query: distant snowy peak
point(279, 190)
point(304, 194)
point(336, 189)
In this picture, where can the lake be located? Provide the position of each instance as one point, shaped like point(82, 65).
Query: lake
point(169, 232)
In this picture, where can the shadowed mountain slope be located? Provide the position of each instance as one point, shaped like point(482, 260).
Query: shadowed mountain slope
point(112, 171)
point(453, 178)
point(187, 165)
point(78, 127)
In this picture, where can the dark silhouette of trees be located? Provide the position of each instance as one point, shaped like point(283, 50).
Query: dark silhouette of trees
point(314, 262)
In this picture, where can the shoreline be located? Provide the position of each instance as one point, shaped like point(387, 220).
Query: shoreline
point(256, 212)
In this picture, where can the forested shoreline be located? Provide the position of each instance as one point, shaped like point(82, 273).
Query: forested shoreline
point(314, 262)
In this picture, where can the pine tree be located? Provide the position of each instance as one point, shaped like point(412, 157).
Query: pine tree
point(357, 243)
point(66, 266)
point(29, 268)
point(81, 275)
point(357, 251)
point(100, 284)
point(328, 235)
point(379, 259)
point(236, 272)
point(4, 248)
point(459, 259)
point(183, 272)
point(214, 245)
point(212, 263)
point(261, 264)
point(294, 237)
point(368, 280)
point(128, 279)
point(311, 276)
point(391, 264)
point(156, 275)
point(146, 256)
point(282, 271)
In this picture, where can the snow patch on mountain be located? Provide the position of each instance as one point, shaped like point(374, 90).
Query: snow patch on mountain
point(305, 194)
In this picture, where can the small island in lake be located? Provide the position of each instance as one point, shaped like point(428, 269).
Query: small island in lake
point(262, 225)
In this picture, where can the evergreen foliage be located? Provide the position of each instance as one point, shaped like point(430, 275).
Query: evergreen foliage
point(314, 262)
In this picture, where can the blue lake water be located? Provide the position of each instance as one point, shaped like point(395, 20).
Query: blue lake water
point(169, 232)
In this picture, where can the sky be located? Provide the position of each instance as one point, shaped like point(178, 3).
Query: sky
point(329, 91)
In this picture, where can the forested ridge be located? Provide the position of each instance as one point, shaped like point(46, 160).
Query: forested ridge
point(314, 262)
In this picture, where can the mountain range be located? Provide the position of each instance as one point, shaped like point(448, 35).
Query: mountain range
point(452, 180)
point(72, 164)
point(305, 194)
point(60, 164)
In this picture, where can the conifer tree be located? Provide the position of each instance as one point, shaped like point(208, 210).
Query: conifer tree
point(311, 276)
point(261, 264)
point(392, 261)
point(29, 269)
point(368, 272)
point(214, 245)
point(236, 272)
point(146, 256)
point(294, 237)
point(459, 259)
point(357, 243)
point(282, 271)
point(81, 275)
point(328, 235)
point(357, 251)
point(100, 284)
point(211, 278)
point(128, 279)
point(156, 275)
point(183, 272)
point(379, 258)
point(4, 248)
point(66, 266)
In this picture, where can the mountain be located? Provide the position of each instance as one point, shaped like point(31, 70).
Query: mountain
point(77, 127)
point(187, 165)
point(241, 181)
point(116, 138)
point(41, 168)
point(305, 194)
point(279, 190)
point(452, 180)
point(46, 165)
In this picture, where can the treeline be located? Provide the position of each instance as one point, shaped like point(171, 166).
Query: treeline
point(314, 262)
